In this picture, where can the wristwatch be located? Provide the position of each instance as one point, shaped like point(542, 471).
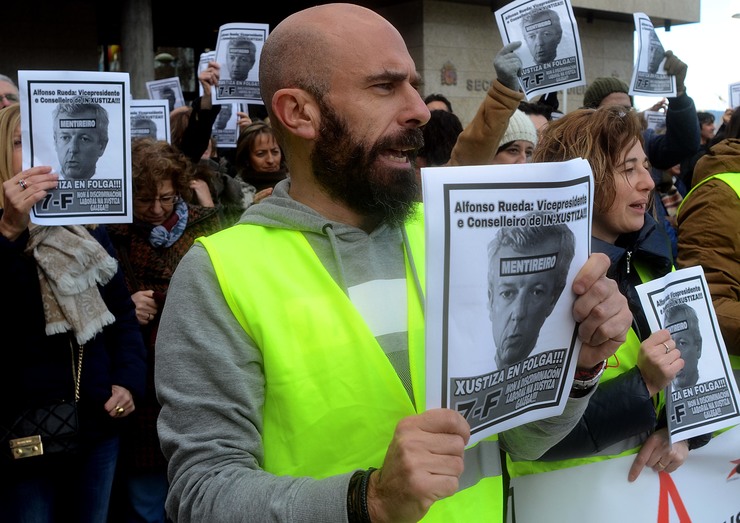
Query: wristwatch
point(584, 381)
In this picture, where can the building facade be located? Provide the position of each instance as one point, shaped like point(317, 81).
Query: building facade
point(452, 41)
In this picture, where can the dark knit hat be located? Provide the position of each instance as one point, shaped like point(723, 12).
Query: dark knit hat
point(601, 88)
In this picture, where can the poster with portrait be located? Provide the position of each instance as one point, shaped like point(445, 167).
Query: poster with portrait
point(552, 59)
point(734, 92)
point(225, 130)
point(205, 58)
point(78, 123)
point(648, 76)
point(150, 119)
point(703, 397)
point(238, 52)
point(504, 243)
point(168, 89)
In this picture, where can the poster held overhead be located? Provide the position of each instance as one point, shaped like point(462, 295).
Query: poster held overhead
point(150, 118)
point(551, 54)
point(649, 77)
point(168, 89)
point(238, 52)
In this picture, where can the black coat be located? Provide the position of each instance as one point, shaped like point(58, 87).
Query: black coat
point(37, 368)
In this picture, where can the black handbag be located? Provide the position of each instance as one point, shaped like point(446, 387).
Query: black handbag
point(49, 429)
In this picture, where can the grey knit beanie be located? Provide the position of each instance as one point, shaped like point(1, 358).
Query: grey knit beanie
point(520, 128)
point(601, 88)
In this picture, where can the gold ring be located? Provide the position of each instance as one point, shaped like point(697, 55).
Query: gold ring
point(661, 464)
point(23, 184)
point(120, 410)
point(667, 349)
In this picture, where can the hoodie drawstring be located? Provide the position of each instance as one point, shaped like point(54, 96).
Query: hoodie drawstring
point(328, 229)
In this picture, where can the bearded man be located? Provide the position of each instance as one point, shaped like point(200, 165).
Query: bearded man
point(290, 356)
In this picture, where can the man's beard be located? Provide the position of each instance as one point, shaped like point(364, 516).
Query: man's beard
point(349, 171)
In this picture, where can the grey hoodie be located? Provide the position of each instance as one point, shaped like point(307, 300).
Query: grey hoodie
point(210, 383)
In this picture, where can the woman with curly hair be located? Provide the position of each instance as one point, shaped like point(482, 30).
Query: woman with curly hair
point(149, 249)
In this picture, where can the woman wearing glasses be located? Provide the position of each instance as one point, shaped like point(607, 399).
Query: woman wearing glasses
point(165, 226)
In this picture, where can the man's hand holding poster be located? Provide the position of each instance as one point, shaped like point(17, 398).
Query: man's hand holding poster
point(503, 243)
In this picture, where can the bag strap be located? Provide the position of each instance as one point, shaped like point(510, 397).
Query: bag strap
point(76, 374)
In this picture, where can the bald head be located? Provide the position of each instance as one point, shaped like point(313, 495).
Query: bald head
point(342, 92)
point(330, 31)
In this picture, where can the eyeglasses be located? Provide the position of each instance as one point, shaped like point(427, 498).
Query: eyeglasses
point(9, 97)
point(164, 201)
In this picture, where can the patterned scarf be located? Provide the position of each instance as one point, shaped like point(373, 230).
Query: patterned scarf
point(71, 264)
point(170, 231)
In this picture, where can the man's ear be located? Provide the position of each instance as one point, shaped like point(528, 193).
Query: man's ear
point(298, 111)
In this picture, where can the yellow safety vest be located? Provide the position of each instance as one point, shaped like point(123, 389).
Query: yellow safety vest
point(332, 397)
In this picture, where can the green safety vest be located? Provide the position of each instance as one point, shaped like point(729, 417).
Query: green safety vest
point(623, 360)
point(733, 180)
point(332, 397)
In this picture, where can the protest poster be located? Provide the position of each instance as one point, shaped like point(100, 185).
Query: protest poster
point(704, 396)
point(150, 119)
point(705, 488)
point(504, 243)
point(168, 89)
point(655, 120)
point(225, 130)
point(551, 53)
point(205, 58)
point(78, 123)
point(238, 51)
point(648, 76)
point(734, 95)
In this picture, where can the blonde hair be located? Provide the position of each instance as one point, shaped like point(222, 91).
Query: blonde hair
point(10, 119)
